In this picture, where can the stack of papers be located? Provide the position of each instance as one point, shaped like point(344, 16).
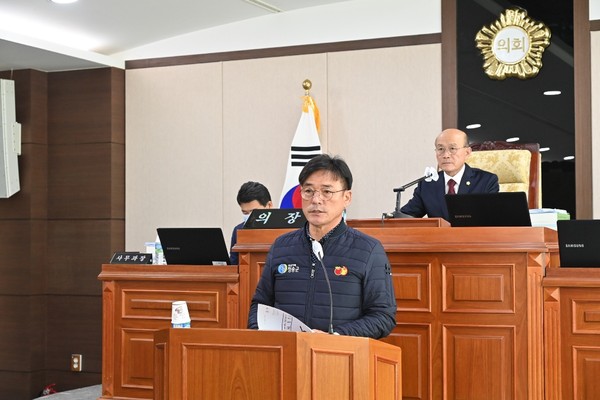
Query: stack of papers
point(547, 217)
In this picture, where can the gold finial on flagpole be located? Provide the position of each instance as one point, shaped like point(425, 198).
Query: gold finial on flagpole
point(307, 84)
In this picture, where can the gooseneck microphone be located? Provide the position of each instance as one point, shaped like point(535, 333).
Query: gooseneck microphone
point(430, 174)
point(318, 251)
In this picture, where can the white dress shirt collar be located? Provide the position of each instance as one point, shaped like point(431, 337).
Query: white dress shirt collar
point(457, 178)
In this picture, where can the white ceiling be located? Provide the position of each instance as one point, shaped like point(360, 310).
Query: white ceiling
point(39, 34)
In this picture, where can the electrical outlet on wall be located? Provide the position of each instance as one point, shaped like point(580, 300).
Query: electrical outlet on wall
point(76, 362)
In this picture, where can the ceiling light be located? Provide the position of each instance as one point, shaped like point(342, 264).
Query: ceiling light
point(473, 126)
point(513, 139)
point(64, 1)
point(264, 5)
point(542, 149)
point(567, 158)
point(552, 92)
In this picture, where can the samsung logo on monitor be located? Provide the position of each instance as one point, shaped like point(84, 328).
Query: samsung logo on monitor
point(571, 245)
point(464, 216)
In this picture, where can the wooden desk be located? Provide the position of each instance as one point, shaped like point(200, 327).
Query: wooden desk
point(469, 309)
point(469, 306)
point(399, 223)
point(572, 333)
point(137, 302)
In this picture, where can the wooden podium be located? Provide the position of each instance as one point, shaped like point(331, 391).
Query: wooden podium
point(248, 364)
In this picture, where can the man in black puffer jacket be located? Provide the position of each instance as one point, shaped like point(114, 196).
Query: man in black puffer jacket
point(358, 268)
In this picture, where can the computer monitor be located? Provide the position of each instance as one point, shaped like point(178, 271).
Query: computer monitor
point(193, 246)
point(488, 209)
point(578, 243)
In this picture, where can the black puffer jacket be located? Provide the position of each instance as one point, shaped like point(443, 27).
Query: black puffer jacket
point(359, 272)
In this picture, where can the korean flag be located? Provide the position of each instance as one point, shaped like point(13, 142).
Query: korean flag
point(305, 145)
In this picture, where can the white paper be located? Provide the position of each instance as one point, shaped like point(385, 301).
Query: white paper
point(273, 319)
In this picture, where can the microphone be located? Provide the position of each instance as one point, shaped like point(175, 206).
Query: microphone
point(430, 174)
point(318, 251)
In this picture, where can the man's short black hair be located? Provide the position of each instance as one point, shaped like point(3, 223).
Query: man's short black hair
point(251, 191)
point(324, 162)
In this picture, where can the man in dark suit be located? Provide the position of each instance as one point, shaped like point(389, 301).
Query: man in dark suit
point(455, 176)
point(251, 196)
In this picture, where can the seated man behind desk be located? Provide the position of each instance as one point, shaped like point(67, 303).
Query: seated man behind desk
point(294, 280)
point(251, 196)
point(452, 150)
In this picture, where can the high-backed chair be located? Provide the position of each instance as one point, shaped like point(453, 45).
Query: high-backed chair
point(518, 166)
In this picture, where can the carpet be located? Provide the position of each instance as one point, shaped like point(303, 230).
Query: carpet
point(86, 393)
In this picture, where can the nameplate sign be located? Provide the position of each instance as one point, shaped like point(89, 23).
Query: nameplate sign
point(131, 257)
point(275, 218)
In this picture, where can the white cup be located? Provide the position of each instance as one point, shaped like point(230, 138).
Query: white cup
point(180, 316)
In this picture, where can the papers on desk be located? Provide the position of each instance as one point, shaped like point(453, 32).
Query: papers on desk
point(273, 319)
point(547, 217)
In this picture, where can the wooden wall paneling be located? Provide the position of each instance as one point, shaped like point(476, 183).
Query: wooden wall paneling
point(79, 181)
point(582, 97)
point(75, 326)
point(449, 62)
point(21, 349)
point(76, 249)
point(86, 162)
point(117, 182)
point(35, 179)
point(80, 106)
point(21, 385)
point(17, 238)
point(22, 346)
point(349, 45)
point(23, 246)
point(117, 105)
point(66, 109)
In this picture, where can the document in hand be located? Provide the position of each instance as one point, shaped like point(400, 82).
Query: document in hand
point(273, 319)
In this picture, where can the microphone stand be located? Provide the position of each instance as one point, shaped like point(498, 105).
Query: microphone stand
point(397, 213)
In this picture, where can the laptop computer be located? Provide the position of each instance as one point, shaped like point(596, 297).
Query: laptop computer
point(488, 209)
point(275, 218)
point(193, 246)
point(578, 243)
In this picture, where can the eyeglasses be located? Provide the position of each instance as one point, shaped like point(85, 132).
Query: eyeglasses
point(442, 150)
point(325, 194)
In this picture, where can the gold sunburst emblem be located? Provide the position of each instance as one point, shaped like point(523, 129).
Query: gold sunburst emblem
point(513, 45)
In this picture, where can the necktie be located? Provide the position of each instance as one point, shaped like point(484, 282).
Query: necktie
point(451, 183)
